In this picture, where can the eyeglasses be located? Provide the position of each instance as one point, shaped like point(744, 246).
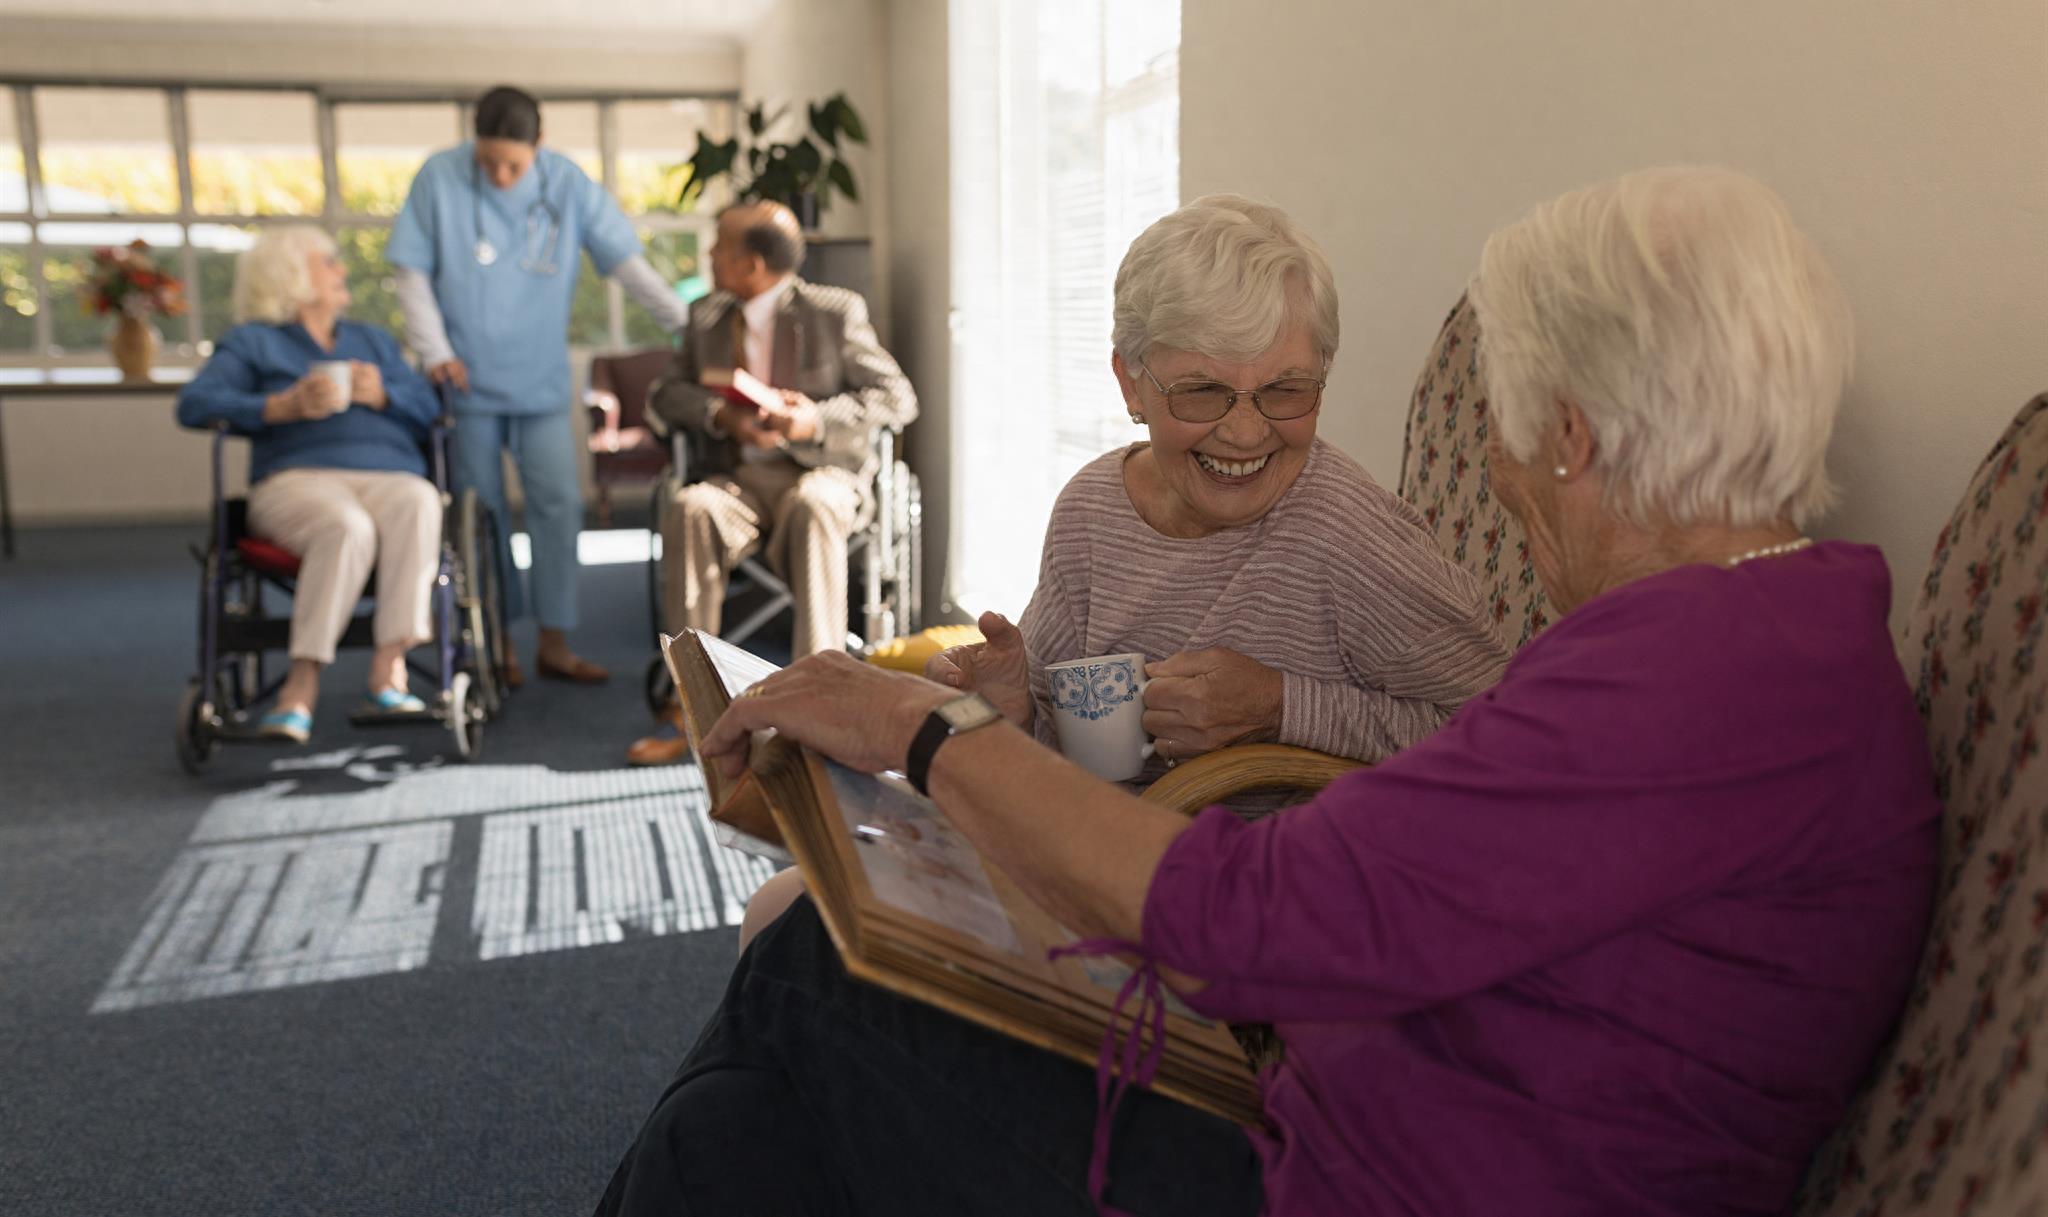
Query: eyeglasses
point(1205, 401)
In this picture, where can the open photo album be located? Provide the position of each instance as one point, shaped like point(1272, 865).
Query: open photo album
point(913, 907)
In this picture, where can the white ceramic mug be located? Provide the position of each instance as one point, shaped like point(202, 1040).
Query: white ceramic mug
point(1098, 708)
point(342, 373)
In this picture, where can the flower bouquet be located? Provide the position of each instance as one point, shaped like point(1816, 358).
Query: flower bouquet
point(128, 282)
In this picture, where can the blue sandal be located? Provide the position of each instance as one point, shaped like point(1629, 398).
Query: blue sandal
point(396, 701)
point(295, 726)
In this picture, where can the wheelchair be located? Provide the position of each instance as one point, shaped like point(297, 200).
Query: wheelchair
point(885, 552)
point(238, 570)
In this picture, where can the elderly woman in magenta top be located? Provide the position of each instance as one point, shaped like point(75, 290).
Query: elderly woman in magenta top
point(1620, 937)
point(338, 478)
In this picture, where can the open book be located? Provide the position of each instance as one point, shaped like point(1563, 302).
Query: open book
point(709, 672)
point(914, 908)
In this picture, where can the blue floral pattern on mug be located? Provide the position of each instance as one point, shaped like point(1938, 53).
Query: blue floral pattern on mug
point(1095, 691)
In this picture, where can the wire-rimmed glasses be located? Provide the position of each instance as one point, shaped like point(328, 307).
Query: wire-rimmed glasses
point(1202, 400)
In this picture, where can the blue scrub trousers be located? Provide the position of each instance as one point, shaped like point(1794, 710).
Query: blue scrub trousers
point(543, 448)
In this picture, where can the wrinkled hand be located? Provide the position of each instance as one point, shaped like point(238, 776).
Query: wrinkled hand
point(748, 428)
point(998, 669)
point(313, 397)
point(369, 384)
point(860, 715)
point(1199, 701)
point(450, 372)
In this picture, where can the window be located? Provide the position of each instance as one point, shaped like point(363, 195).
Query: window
point(198, 173)
point(1065, 145)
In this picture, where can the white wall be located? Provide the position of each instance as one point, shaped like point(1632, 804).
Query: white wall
point(1910, 139)
point(917, 225)
point(805, 51)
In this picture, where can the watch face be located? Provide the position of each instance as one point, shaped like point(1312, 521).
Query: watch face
point(969, 712)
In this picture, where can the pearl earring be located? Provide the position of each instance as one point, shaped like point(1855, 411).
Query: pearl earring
point(1137, 418)
point(1562, 472)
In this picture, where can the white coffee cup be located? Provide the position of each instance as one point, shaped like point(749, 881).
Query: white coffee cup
point(1098, 708)
point(342, 373)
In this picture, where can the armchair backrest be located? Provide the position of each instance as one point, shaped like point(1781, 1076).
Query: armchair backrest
point(1954, 1119)
point(629, 378)
point(1443, 475)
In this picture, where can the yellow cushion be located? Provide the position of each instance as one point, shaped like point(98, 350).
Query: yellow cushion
point(910, 653)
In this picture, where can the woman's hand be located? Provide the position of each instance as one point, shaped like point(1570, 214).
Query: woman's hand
point(450, 372)
point(368, 382)
point(998, 669)
point(314, 397)
point(1200, 701)
point(860, 715)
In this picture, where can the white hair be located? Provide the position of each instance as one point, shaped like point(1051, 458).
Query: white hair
point(1697, 327)
point(271, 280)
point(1223, 276)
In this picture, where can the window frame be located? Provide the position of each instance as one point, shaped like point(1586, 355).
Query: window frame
point(188, 345)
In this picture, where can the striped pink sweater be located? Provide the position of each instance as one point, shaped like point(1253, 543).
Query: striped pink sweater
point(1378, 636)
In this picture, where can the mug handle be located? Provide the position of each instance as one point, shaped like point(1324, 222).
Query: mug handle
point(1144, 753)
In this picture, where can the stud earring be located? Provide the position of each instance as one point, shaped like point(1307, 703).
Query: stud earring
point(1137, 418)
point(1561, 471)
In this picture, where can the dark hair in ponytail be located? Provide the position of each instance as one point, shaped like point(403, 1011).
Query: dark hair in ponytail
point(508, 113)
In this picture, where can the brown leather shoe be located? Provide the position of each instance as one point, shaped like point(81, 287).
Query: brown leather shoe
point(658, 750)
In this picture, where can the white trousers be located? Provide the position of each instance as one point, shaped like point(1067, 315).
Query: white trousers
point(343, 523)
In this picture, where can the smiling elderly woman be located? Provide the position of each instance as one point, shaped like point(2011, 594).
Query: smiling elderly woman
point(338, 477)
point(1621, 937)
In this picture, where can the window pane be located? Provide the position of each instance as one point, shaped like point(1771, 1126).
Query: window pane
point(67, 267)
point(106, 150)
point(655, 138)
point(254, 154)
point(675, 258)
point(374, 296)
point(590, 313)
point(378, 149)
point(17, 291)
point(13, 177)
point(570, 128)
point(217, 247)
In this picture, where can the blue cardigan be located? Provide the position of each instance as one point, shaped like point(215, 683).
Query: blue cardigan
point(254, 360)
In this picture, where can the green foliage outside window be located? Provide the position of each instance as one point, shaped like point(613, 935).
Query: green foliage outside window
point(17, 301)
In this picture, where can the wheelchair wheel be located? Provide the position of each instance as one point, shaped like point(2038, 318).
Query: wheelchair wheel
point(659, 687)
point(197, 741)
point(465, 718)
point(480, 602)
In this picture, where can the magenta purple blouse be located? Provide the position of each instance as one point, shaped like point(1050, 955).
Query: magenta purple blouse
point(1622, 937)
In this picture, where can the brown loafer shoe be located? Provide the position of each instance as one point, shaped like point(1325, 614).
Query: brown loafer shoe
point(658, 750)
point(577, 670)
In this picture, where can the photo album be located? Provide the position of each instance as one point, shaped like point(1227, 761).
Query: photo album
point(913, 907)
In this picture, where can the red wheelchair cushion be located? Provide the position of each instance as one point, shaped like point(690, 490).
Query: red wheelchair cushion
point(267, 557)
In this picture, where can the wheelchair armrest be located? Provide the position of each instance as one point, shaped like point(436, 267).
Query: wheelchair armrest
point(604, 419)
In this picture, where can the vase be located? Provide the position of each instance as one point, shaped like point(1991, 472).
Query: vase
point(133, 347)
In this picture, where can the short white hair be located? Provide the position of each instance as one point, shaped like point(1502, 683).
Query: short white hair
point(1223, 276)
point(271, 280)
point(1700, 331)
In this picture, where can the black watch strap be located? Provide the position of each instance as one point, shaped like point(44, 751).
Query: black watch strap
point(918, 768)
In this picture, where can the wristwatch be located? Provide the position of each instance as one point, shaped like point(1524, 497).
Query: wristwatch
point(964, 713)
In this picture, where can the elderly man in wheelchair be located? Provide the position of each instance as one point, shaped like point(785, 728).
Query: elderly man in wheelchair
point(791, 467)
point(347, 473)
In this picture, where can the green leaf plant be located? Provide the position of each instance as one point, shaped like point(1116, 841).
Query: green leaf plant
point(785, 170)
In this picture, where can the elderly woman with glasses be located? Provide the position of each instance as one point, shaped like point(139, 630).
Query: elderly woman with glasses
point(1621, 937)
point(1277, 592)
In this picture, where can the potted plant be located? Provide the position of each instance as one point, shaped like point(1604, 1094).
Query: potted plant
point(802, 172)
point(128, 282)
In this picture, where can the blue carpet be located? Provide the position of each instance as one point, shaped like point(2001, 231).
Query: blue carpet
point(351, 978)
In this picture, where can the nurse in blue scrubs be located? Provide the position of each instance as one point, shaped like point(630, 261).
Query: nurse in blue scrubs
point(486, 255)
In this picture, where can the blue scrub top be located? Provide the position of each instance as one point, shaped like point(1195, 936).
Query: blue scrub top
point(509, 321)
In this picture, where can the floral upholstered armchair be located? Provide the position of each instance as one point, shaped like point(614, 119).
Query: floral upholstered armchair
point(1444, 476)
point(1954, 1120)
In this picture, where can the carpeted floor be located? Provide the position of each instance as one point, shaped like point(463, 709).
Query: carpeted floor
point(353, 978)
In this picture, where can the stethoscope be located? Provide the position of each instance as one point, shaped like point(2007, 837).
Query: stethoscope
point(487, 253)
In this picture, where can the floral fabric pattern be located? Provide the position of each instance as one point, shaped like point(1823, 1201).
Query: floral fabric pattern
point(1954, 1120)
point(1444, 476)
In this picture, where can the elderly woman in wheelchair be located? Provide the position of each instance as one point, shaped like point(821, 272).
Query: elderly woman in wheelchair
point(338, 474)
